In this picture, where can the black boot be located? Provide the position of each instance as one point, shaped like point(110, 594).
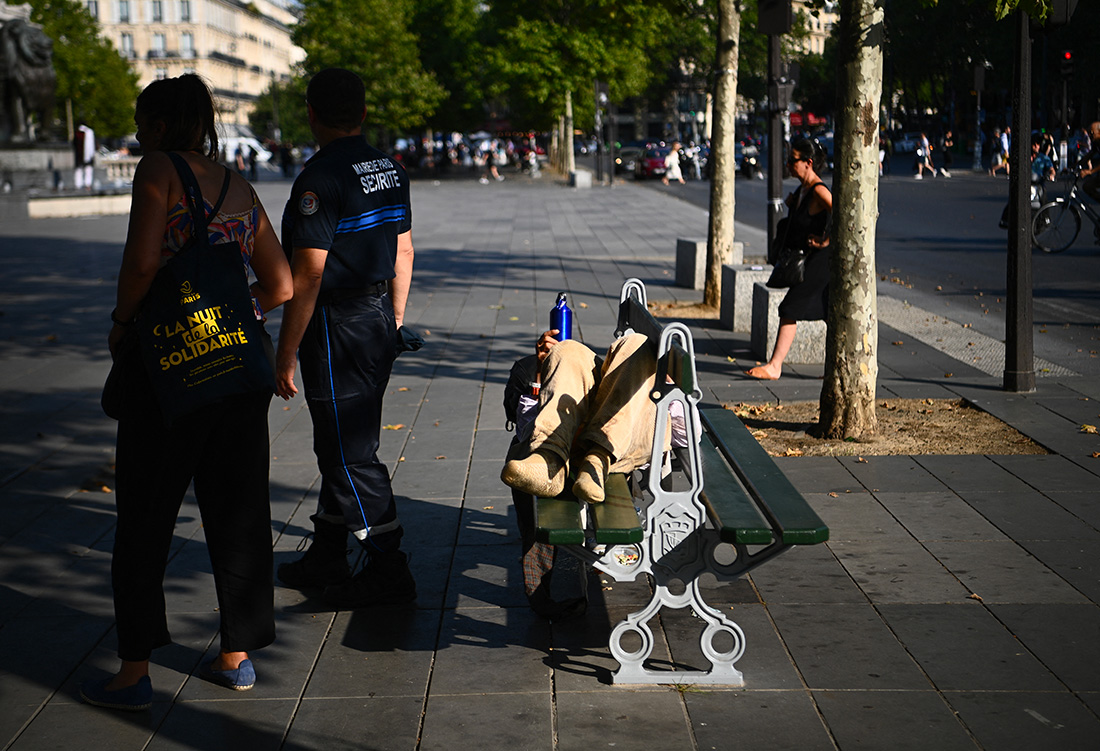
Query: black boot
point(384, 580)
point(324, 564)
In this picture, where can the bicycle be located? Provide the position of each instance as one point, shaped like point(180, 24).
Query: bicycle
point(1056, 224)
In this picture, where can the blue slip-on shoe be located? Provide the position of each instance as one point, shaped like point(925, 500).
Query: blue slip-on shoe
point(241, 679)
point(130, 699)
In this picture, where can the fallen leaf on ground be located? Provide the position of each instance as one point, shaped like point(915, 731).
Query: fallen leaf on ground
point(398, 426)
point(976, 597)
point(1088, 428)
point(441, 457)
point(403, 388)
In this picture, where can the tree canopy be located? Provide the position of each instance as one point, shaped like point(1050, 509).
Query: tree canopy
point(373, 39)
point(90, 73)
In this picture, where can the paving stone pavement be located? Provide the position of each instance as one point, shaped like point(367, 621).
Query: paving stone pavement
point(955, 605)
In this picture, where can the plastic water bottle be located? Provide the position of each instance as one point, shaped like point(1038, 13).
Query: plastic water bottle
point(561, 318)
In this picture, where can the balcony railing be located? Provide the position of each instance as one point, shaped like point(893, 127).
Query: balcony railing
point(231, 59)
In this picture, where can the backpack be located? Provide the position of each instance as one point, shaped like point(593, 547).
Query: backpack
point(519, 382)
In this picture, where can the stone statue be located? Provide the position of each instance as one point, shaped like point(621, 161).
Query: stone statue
point(27, 78)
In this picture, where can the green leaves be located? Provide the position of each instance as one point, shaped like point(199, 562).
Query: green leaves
point(90, 72)
point(1037, 9)
point(372, 38)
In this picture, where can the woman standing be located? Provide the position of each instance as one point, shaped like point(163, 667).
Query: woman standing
point(222, 447)
point(810, 211)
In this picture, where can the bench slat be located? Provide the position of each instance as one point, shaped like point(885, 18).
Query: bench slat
point(614, 522)
point(634, 315)
point(728, 505)
point(558, 521)
point(798, 523)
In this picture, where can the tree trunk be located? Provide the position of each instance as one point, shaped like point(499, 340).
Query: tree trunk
point(723, 167)
point(851, 350)
point(569, 164)
point(555, 146)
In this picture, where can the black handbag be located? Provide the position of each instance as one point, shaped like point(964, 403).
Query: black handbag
point(200, 338)
point(782, 227)
point(789, 270)
point(789, 262)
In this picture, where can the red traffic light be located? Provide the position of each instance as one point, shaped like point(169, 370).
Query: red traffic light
point(1067, 55)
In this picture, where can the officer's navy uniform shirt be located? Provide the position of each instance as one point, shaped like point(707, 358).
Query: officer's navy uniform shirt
point(352, 201)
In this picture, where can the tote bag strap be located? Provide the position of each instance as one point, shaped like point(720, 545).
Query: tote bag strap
point(193, 192)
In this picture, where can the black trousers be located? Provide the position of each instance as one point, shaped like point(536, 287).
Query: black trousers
point(346, 356)
point(224, 448)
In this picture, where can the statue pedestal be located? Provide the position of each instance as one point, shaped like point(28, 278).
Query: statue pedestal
point(27, 167)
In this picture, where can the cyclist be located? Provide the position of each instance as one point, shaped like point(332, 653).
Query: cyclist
point(1091, 173)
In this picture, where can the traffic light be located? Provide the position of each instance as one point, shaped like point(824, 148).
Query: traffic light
point(1067, 64)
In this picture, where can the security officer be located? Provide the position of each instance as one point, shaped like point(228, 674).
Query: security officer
point(347, 232)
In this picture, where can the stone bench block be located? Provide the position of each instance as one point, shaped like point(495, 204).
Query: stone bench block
point(54, 207)
point(809, 341)
point(580, 179)
point(691, 261)
point(735, 313)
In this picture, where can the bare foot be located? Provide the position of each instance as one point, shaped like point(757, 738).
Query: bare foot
point(763, 373)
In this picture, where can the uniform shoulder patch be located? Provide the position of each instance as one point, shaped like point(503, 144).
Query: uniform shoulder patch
point(309, 203)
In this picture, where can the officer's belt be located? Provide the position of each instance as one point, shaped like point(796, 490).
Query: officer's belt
point(336, 295)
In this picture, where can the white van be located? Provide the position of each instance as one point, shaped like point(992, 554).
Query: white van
point(232, 137)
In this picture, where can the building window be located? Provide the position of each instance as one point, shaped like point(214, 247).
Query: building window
point(124, 11)
point(162, 73)
point(185, 10)
point(93, 9)
point(187, 44)
point(127, 45)
point(159, 44)
point(158, 11)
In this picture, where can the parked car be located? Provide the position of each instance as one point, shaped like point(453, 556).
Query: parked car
point(625, 158)
point(651, 163)
point(907, 144)
point(583, 146)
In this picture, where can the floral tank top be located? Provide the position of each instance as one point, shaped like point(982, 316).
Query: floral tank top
point(237, 227)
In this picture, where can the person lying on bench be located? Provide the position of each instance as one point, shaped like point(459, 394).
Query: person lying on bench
point(594, 416)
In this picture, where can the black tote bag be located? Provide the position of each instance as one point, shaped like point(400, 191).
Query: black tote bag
point(200, 339)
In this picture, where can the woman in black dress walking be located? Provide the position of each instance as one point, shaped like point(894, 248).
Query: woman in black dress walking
point(810, 209)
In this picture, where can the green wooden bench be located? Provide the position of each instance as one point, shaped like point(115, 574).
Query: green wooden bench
point(737, 499)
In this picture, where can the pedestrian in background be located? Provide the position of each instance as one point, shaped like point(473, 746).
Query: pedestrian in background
point(222, 447)
point(672, 165)
point(83, 157)
point(1001, 144)
point(948, 144)
point(924, 157)
point(347, 229)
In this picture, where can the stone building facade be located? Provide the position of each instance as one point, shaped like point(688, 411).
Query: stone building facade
point(238, 47)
